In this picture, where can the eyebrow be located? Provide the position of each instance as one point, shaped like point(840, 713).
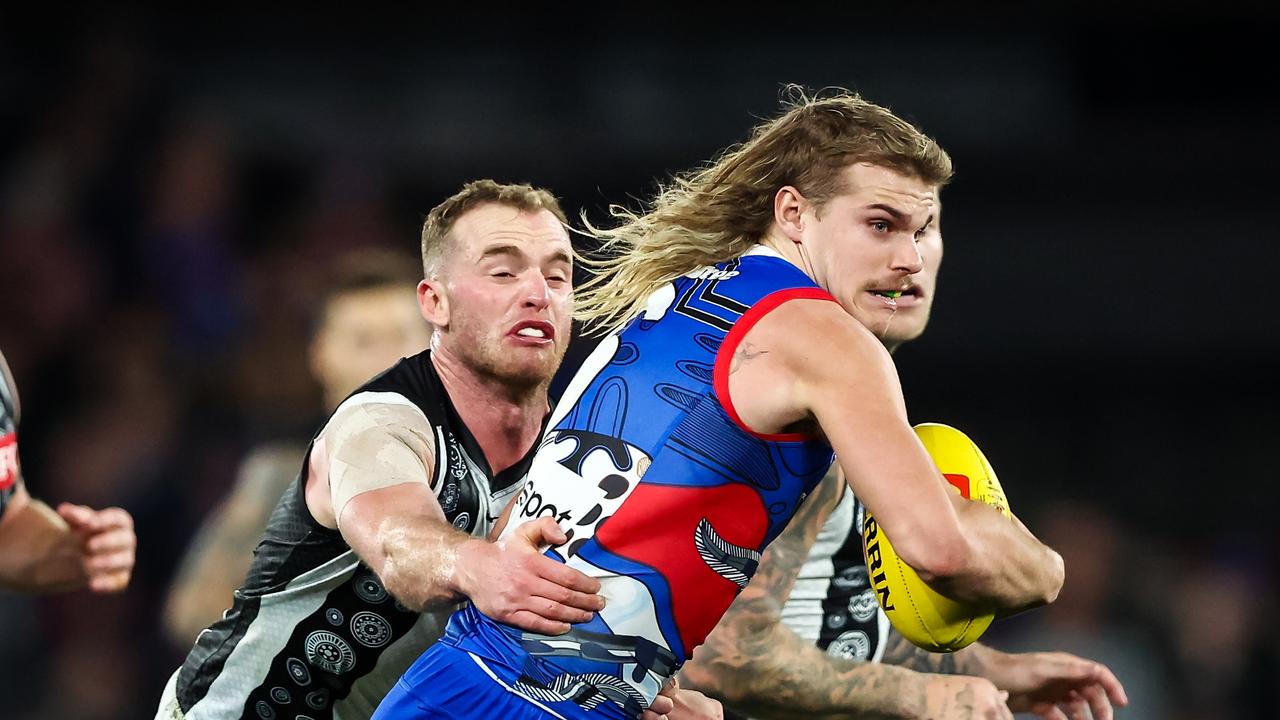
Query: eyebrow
point(493, 250)
point(515, 252)
point(897, 214)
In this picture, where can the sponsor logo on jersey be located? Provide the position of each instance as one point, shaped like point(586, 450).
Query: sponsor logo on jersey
point(555, 487)
point(710, 273)
point(878, 579)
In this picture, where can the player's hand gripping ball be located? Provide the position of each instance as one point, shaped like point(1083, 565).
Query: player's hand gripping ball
point(927, 618)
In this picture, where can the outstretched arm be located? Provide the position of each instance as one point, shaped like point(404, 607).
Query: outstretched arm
point(1052, 685)
point(370, 475)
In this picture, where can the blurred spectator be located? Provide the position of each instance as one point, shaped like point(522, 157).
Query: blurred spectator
point(367, 320)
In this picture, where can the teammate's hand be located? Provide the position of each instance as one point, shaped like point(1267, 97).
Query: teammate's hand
point(511, 581)
point(107, 545)
point(958, 697)
point(1058, 686)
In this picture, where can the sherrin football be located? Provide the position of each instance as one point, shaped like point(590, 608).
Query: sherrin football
point(923, 616)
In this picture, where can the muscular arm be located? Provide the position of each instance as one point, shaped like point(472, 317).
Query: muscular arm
point(754, 663)
point(814, 363)
point(370, 476)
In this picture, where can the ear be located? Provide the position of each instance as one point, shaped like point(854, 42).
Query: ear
point(788, 212)
point(434, 303)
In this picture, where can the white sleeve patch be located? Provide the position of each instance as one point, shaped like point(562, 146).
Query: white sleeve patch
point(377, 440)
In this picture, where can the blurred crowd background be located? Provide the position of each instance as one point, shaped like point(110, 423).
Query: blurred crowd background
point(176, 188)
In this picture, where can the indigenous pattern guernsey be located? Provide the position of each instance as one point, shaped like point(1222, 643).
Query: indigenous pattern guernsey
point(313, 633)
point(665, 497)
point(833, 604)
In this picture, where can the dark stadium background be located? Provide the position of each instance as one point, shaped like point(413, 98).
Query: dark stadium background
point(172, 184)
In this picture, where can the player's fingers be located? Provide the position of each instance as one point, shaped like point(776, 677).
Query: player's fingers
point(79, 517)
point(651, 715)
point(567, 577)
point(662, 704)
point(532, 622)
point(118, 539)
point(1077, 708)
point(1048, 712)
point(111, 562)
point(1111, 684)
point(115, 517)
point(589, 602)
point(109, 582)
point(1099, 705)
point(542, 532)
point(1002, 706)
point(552, 610)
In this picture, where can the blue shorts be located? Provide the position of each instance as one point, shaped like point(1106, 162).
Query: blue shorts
point(446, 682)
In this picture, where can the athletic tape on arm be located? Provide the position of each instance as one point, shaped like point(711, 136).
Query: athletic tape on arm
point(376, 440)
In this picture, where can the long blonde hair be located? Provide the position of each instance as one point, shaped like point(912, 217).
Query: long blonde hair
point(718, 212)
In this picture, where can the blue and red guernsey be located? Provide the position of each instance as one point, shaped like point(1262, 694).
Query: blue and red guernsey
point(665, 495)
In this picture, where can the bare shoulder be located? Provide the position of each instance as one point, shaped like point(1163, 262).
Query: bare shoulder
point(799, 351)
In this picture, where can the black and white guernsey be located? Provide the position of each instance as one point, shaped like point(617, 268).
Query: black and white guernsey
point(313, 634)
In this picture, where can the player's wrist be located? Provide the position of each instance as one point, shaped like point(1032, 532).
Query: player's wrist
point(464, 560)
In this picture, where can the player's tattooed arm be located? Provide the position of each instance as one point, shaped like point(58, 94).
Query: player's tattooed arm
point(974, 660)
point(753, 663)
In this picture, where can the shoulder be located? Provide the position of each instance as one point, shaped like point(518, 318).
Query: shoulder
point(809, 330)
point(390, 412)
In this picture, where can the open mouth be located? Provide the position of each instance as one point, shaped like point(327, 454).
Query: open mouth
point(537, 331)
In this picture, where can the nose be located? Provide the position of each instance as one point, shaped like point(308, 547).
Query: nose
point(535, 293)
point(906, 256)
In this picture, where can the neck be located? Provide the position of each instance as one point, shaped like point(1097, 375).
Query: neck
point(504, 418)
point(791, 251)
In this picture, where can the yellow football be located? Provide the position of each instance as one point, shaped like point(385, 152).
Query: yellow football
point(922, 615)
